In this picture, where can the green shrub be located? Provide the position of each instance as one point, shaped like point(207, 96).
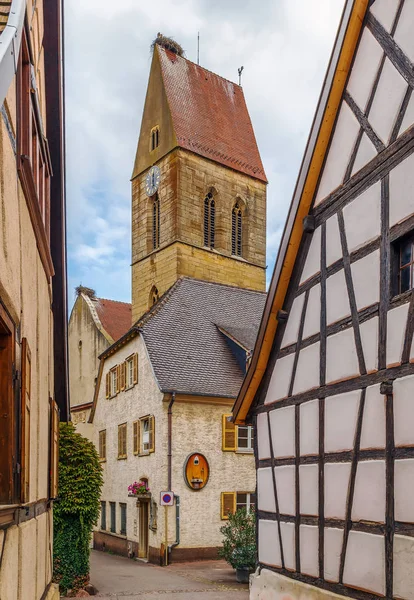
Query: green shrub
point(77, 510)
point(239, 544)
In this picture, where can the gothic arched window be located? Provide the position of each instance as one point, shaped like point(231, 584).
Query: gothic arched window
point(155, 222)
point(154, 296)
point(155, 138)
point(236, 230)
point(209, 220)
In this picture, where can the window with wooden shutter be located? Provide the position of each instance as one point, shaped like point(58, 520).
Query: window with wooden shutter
point(118, 378)
point(25, 421)
point(146, 434)
point(122, 440)
point(135, 432)
point(102, 445)
point(152, 434)
point(8, 439)
point(228, 504)
point(229, 433)
point(108, 385)
point(54, 448)
point(122, 376)
point(135, 368)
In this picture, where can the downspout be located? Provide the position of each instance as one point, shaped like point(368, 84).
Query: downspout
point(177, 498)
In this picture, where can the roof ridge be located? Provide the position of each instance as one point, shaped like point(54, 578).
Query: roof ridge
point(204, 68)
point(228, 285)
point(155, 308)
point(110, 300)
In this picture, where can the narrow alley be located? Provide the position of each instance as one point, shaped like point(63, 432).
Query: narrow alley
point(120, 578)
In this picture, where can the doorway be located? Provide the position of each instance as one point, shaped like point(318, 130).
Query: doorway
point(143, 528)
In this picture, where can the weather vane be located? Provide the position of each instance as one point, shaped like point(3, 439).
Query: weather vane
point(240, 74)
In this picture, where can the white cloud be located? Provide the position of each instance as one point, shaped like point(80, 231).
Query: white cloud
point(284, 47)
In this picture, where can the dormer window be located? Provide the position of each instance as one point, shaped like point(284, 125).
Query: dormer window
point(155, 138)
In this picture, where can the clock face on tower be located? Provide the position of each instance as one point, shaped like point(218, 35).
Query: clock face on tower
point(152, 181)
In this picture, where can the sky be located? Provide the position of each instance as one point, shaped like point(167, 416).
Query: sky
point(284, 47)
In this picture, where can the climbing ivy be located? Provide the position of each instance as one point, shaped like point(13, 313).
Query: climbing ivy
point(77, 510)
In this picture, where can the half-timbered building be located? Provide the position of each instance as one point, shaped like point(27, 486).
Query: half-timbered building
point(331, 383)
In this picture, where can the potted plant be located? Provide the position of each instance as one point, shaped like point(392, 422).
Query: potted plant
point(139, 488)
point(239, 543)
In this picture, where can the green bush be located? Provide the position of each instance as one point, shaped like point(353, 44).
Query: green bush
point(77, 510)
point(239, 544)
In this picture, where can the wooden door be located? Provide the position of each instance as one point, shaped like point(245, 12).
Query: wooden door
point(143, 529)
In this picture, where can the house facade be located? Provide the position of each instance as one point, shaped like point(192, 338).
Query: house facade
point(163, 398)
point(330, 386)
point(33, 378)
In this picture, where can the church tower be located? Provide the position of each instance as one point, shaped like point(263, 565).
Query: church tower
point(198, 185)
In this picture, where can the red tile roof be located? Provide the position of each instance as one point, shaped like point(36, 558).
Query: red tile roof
point(209, 115)
point(116, 317)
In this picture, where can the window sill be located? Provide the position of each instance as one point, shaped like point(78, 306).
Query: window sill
point(145, 453)
point(122, 457)
point(244, 451)
point(102, 460)
point(401, 298)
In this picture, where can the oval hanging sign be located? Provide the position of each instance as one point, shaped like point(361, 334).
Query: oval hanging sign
point(196, 471)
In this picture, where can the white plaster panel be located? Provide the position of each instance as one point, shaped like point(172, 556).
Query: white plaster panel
point(402, 190)
point(369, 340)
point(373, 422)
point(365, 562)
point(342, 144)
point(341, 356)
point(263, 436)
point(404, 490)
point(313, 312)
point(336, 489)
point(384, 11)
point(404, 411)
point(309, 544)
point(333, 241)
point(341, 414)
point(337, 301)
point(408, 119)
point(365, 153)
point(265, 492)
point(404, 32)
point(307, 370)
point(369, 495)
point(285, 485)
point(308, 486)
point(280, 380)
point(387, 101)
point(288, 541)
point(269, 546)
point(365, 277)
point(333, 548)
point(396, 324)
point(292, 326)
point(282, 427)
point(309, 428)
point(362, 218)
point(365, 69)
point(403, 567)
point(313, 259)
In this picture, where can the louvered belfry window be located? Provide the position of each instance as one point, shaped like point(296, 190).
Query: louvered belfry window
point(236, 230)
point(209, 220)
point(156, 222)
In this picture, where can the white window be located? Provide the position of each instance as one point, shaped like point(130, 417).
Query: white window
point(145, 435)
point(130, 372)
point(245, 438)
point(114, 381)
point(245, 500)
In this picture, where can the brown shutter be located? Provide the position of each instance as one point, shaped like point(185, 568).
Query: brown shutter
point(135, 427)
point(151, 434)
point(54, 448)
point(118, 377)
point(228, 504)
point(102, 444)
point(122, 369)
point(229, 434)
point(25, 423)
point(135, 368)
point(108, 385)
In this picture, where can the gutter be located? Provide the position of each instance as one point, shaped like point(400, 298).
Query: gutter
point(10, 46)
point(177, 498)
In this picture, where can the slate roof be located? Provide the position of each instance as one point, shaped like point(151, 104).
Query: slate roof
point(188, 353)
point(116, 317)
point(210, 115)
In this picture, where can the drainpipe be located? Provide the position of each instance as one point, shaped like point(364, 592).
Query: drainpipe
point(177, 498)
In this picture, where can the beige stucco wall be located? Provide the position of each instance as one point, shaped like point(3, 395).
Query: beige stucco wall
point(26, 293)
point(86, 342)
point(196, 428)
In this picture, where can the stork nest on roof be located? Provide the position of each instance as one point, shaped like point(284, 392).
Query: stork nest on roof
point(81, 289)
point(168, 44)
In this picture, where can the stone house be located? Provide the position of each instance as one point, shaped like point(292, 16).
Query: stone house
point(164, 393)
point(331, 382)
point(33, 381)
point(94, 325)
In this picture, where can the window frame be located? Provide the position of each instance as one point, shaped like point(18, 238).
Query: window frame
point(102, 445)
point(151, 435)
point(396, 251)
point(209, 221)
point(122, 441)
point(237, 230)
point(103, 515)
point(250, 439)
point(154, 138)
point(230, 436)
point(112, 509)
point(123, 518)
point(113, 382)
point(225, 496)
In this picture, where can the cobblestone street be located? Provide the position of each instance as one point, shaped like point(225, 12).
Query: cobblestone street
point(119, 578)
